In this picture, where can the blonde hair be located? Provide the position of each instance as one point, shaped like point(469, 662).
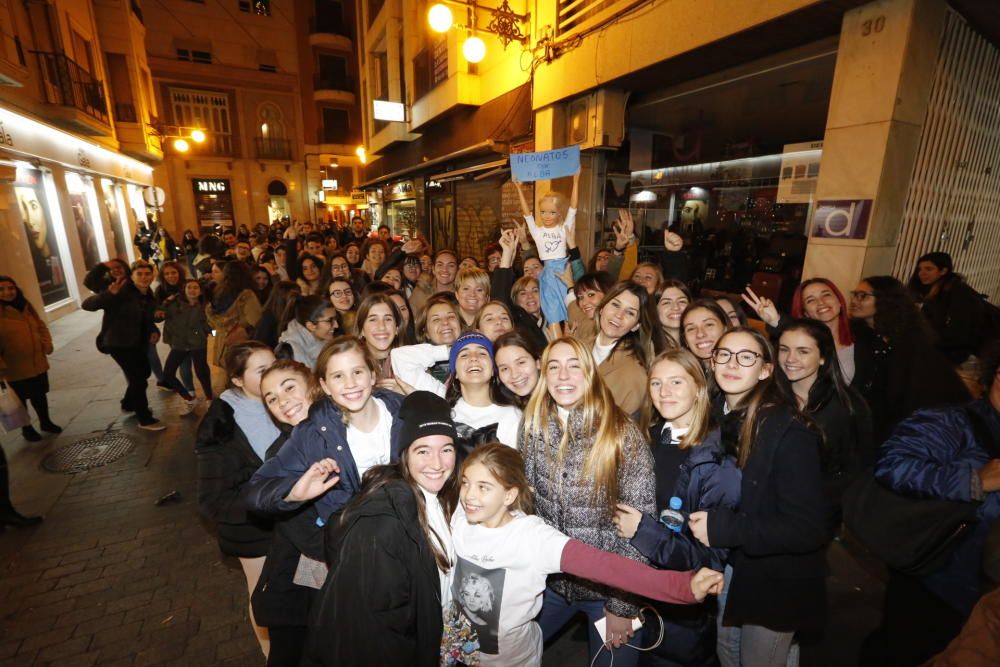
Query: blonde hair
point(601, 416)
point(701, 422)
point(477, 277)
point(562, 204)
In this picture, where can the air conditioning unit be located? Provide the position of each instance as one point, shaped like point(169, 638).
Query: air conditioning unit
point(596, 120)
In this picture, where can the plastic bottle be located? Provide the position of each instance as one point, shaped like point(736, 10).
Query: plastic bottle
point(673, 518)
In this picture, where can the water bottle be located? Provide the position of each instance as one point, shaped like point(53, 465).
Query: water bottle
point(673, 518)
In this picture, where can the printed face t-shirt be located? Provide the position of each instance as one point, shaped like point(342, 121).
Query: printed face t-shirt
point(498, 584)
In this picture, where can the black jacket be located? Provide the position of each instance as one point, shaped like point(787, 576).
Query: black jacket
point(226, 461)
point(129, 317)
point(381, 604)
point(955, 314)
point(779, 534)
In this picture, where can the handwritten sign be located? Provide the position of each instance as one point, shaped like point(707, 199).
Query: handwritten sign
point(546, 165)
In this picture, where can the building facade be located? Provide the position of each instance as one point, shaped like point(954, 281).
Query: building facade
point(76, 144)
point(784, 139)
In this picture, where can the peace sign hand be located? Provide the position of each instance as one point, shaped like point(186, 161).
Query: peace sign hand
point(764, 307)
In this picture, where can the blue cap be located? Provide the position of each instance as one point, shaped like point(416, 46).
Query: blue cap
point(471, 338)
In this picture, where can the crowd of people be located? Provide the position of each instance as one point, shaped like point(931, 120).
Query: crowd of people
point(425, 458)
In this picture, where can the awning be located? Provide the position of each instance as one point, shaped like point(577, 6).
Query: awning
point(458, 173)
point(483, 146)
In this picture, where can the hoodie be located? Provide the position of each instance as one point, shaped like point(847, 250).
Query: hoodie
point(304, 346)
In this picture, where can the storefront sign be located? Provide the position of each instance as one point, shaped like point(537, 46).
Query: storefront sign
point(329, 184)
point(389, 111)
point(799, 172)
point(213, 185)
point(45, 251)
point(842, 219)
point(401, 190)
point(213, 202)
point(559, 163)
point(359, 196)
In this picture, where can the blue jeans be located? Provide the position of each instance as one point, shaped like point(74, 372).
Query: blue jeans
point(557, 611)
point(552, 291)
point(752, 645)
point(154, 361)
point(187, 378)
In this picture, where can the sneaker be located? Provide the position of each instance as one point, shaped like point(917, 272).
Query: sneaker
point(50, 427)
point(152, 425)
point(187, 407)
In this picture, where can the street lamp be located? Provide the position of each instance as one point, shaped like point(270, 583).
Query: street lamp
point(474, 49)
point(440, 18)
point(504, 23)
point(181, 145)
point(180, 137)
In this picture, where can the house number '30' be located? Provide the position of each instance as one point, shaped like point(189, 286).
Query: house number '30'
point(872, 25)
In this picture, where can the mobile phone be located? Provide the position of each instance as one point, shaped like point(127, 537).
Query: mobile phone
point(602, 626)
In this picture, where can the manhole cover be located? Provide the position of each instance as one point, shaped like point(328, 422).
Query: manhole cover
point(89, 453)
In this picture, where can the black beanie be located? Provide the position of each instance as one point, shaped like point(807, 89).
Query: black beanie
point(425, 413)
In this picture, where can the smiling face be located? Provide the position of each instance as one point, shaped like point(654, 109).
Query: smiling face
point(341, 295)
point(588, 299)
point(730, 310)
point(192, 290)
point(820, 303)
point(376, 254)
point(257, 363)
point(619, 316)
point(426, 263)
point(379, 329)
point(443, 327)
point(353, 254)
point(339, 268)
point(798, 356)
point(393, 277)
point(673, 392)
point(243, 250)
point(8, 291)
point(533, 267)
point(646, 277)
point(735, 380)
point(494, 321)
point(286, 395)
point(702, 328)
point(482, 496)
point(324, 326)
point(517, 370)
point(430, 460)
point(471, 298)
point(602, 259)
point(670, 307)
point(412, 270)
point(348, 381)
point(548, 211)
point(528, 298)
point(863, 302)
point(445, 269)
point(170, 275)
point(473, 365)
point(310, 270)
point(565, 379)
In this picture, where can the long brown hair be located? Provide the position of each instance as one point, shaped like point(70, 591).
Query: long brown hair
point(340, 345)
point(507, 465)
point(601, 416)
point(237, 357)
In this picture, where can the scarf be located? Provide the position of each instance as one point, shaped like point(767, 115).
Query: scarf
point(253, 419)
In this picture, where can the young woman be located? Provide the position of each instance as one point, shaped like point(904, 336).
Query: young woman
point(599, 261)
point(186, 332)
point(736, 316)
point(232, 442)
point(173, 282)
point(172, 279)
point(917, 375)
point(648, 275)
point(262, 283)
point(25, 343)
point(407, 334)
point(352, 252)
point(625, 342)
point(690, 464)
point(807, 360)
point(494, 320)
point(378, 324)
point(589, 291)
point(517, 360)
point(374, 253)
point(394, 278)
point(356, 426)
point(472, 287)
point(702, 324)
point(341, 295)
point(500, 598)
point(234, 309)
point(673, 299)
point(310, 274)
point(775, 580)
point(953, 308)
point(583, 456)
point(313, 323)
point(278, 309)
point(390, 552)
point(441, 321)
point(532, 267)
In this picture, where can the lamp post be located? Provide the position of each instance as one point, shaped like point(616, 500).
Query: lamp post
point(504, 23)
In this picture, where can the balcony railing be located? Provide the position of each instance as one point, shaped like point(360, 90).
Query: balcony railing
point(273, 149)
point(329, 25)
point(67, 84)
point(321, 82)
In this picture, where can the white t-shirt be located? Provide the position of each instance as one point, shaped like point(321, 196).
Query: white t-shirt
point(436, 520)
point(374, 448)
point(845, 356)
point(551, 241)
point(506, 417)
point(602, 352)
point(498, 583)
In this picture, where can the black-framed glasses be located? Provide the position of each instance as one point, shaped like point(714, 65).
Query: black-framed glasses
point(340, 293)
point(859, 295)
point(745, 358)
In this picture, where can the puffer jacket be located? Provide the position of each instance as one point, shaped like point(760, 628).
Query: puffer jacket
point(935, 454)
point(323, 435)
point(305, 347)
point(25, 342)
point(186, 326)
point(564, 498)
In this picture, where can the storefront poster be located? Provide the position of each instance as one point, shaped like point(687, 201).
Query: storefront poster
point(41, 240)
point(842, 219)
point(85, 229)
point(545, 165)
point(114, 220)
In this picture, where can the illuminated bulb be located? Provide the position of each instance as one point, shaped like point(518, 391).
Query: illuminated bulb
point(474, 49)
point(197, 136)
point(362, 155)
point(181, 145)
point(439, 17)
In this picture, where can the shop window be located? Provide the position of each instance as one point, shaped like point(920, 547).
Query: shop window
point(47, 256)
point(258, 7)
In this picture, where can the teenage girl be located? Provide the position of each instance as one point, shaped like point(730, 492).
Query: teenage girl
point(313, 325)
point(378, 324)
point(504, 554)
point(777, 571)
point(186, 329)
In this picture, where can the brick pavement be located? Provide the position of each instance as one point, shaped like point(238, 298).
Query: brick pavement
point(109, 578)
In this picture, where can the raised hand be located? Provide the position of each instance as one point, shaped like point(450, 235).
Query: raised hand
point(671, 241)
point(413, 246)
point(508, 240)
point(624, 229)
point(566, 276)
point(764, 307)
point(117, 285)
point(314, 482)
point(706, 582)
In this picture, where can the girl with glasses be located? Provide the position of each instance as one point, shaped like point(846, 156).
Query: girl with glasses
point(775, 580)
point(341, 295)
point(313, 325)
